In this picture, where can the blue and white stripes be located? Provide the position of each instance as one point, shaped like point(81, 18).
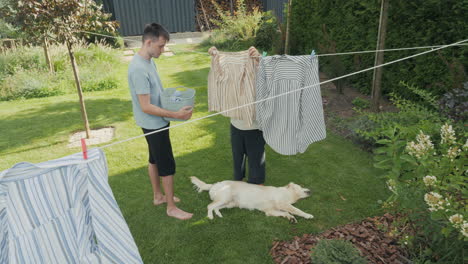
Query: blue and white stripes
point(62, 211)
point(292, 122)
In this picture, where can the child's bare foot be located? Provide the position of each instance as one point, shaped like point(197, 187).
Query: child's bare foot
point(162, 199)
point(178, 213)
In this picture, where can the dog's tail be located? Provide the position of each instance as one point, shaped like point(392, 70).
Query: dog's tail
point(200, 185)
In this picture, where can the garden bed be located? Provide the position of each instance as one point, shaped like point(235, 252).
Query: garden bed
point(368, 236)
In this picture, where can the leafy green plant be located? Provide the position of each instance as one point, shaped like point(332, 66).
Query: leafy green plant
point(336, 252)
point(237, 31)
point(443, 24)
point(24, 74)
point(268, 37)
point(101, 85)
point(26, 84)
point(454, 104)
point(427, 179)
point(411, 118)
point(361, 103)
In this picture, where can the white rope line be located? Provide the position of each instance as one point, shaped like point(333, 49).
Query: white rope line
point(351, 52)
point(318, 55)
point(294, 91)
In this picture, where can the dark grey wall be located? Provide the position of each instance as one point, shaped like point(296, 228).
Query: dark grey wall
point(174, 15)
point(276, 5)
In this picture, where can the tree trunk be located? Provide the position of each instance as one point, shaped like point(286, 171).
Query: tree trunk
point(204, 14)
point(379, 57)
point(286, 44)
point(78, 87)
point(232, 9)
point(46, 54)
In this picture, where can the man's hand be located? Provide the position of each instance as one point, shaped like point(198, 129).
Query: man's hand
point(184, 113)
point(253, 52)
point(213, 51)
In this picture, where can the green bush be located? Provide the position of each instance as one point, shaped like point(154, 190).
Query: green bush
point(23, 73)
point(26, 84)
point(409, 120)
point(21, 58)
point(116, 41)
point(454, 104)
point(235, 32)
point(100, 85)
point(427, 178)
point(7, 30)
point(361, 103)
point(268, 37)
point(353, 25)
point(336, 252)
point(95, 53)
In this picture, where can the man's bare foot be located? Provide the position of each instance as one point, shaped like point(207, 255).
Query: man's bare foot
point(178, 213)
point(158, 201)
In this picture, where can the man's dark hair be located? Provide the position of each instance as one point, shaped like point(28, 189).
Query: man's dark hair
point(154, 31)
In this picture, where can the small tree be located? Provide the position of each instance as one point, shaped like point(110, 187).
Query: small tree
point(64, 21)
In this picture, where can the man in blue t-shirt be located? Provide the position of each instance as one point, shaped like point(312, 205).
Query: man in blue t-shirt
point(146, 88)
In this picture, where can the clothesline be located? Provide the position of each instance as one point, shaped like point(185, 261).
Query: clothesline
point(318, 55)
point(282, 94)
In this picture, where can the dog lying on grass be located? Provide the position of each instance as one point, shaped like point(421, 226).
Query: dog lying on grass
point(274, 201)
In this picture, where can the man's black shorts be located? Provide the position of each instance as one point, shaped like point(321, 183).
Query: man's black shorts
point(160, 151)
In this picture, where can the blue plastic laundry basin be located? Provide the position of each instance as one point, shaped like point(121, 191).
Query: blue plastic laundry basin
point(173, 99)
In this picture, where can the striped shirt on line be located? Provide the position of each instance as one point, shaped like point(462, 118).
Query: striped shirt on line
point(62, 211)
point(231, 83)
point(291, 122)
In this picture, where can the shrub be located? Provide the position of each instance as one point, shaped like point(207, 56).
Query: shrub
point(116, 42)
point(95, 53)
point(268, 38)
point(7, 30)
point(427, 178)
point(409, 120)
point(235, 32)
point(23, 73)
point(361, 103)
point(336, 252)
point(454, 104)
point(100, 85)
point(21, 58)
point(345, 20)
point(28, 84)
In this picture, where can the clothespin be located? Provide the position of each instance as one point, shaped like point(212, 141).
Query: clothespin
point(83, 147)
point(312, 55)
point(264, 54)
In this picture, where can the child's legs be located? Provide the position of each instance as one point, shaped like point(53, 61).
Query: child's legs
point(238, 153)
point(255, 148)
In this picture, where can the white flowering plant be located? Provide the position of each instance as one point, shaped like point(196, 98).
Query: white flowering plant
point(428, 180)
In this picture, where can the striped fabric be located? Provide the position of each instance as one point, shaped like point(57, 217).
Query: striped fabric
point(291, 122)
point(231, 83)
point(62, 211)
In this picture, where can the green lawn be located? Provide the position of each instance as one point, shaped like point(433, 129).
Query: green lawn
point(345, 186)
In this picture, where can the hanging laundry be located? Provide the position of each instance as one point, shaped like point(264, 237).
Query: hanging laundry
point(62, 211)
point(231, 83)
point(291, 122)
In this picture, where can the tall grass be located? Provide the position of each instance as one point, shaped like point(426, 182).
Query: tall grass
point(237, 31)
point(24, 74)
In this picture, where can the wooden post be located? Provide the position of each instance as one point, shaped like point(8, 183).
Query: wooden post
point(46, 54)
point(286, 44)
point(232, 8)
point(379, 57)
point(78, 87)
point(204, 14)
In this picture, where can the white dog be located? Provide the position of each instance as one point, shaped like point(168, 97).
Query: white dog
point(274, 201)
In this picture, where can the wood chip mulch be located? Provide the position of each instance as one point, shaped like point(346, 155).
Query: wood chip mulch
point(374, 244)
